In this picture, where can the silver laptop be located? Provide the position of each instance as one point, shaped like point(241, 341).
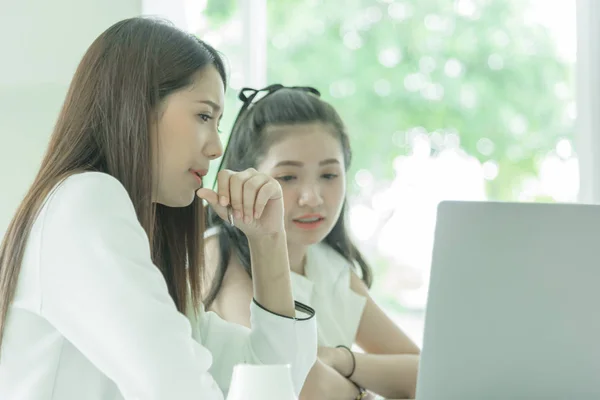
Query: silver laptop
point(514, 303)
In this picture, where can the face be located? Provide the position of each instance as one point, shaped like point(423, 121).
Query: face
point(187, 138)
point(308, 162)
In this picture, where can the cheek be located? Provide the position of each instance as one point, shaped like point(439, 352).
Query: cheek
point(184, 135)
point(289, 198)
point(176, 140)
point(164, 154)
point(336, 193)
point(160, 150)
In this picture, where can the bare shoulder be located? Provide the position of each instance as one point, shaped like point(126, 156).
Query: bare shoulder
point(235, 295)
point(357, 285)
point(211, 263)
point(211, 253)
point(212, 257)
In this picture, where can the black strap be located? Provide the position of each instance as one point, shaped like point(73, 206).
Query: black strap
point(297, 306)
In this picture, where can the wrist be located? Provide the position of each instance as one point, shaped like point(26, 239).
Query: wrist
point(344, 361)
point(266, 241)
point(268, 253)
point(271, 274)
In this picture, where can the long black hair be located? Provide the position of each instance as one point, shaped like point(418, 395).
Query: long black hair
point(104, 126)
point(248, 144)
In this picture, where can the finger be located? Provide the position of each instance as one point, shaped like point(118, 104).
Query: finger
point(269, 191)
point(250, 191)
point(213, 199)
point(209, 195)
point(236, 186)
point(223, 187)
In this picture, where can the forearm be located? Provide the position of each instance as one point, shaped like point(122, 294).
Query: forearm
point(271, 273)
point(392, 376)
point(323, 382)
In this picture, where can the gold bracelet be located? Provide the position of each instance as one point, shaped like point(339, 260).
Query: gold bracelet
point(362, 393)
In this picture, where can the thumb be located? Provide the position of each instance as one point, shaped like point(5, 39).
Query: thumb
point(213, 199)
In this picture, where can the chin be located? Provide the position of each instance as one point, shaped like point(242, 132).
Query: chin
point(308, 238)
point(183, 200)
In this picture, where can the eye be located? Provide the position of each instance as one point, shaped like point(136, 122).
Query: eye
point(330, 176)
point(204, 117)
point(286, 178)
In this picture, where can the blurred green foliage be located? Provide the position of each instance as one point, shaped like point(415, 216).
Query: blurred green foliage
point(471, 68)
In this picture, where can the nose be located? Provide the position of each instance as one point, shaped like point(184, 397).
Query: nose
point(310, 196)
point(213, 148)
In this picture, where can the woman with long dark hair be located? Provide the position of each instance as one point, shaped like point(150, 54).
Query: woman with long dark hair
point(101, 267)
point(294, 136)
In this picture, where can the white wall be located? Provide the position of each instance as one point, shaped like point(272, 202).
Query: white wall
point(588, 99)
point(41, 43)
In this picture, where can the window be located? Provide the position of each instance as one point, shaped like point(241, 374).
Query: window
point(444, 99)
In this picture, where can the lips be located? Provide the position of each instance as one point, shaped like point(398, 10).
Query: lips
point(309, 218)
point(198, 174)
point(309, 222)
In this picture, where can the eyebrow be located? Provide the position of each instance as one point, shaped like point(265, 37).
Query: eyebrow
point(214, 105)
point(299, 164)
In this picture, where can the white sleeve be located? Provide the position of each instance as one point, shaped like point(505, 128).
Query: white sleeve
point(101, 291)
point(273, 339)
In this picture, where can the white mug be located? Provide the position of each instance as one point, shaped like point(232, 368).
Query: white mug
point(261, 382)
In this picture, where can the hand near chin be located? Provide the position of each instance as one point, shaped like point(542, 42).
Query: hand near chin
point(255, 199)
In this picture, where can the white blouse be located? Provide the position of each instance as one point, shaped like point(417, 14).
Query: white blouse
point(325, 286)
point(92, 317)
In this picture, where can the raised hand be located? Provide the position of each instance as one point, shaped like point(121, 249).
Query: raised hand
point(255, 199)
